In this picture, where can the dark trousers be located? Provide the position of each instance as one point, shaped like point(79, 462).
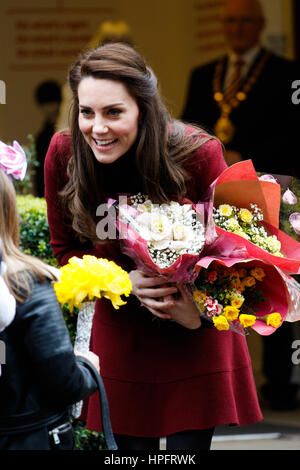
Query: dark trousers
point(185, 440)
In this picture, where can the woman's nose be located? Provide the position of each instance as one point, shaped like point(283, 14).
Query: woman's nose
point(100, 125)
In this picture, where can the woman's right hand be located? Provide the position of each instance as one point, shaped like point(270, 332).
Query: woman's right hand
point(92, 357)
point(151, 290)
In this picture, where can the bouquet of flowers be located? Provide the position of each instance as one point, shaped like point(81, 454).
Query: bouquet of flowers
point(251, 223)
point(81, 282)
point(89, 278)
point(163, 239)
point(248, 224)
point(249, 293)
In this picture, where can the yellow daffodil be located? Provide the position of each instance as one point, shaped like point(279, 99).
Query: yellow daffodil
point(221, 323)
point(247, 320)
point(90, 278)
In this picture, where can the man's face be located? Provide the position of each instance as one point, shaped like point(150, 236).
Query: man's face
point(242, 25)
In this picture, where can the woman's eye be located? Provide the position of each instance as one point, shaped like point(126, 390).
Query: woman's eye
point(114, 112)
point(85, 112)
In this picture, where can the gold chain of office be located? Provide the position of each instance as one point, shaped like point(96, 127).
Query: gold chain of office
point(224, 128)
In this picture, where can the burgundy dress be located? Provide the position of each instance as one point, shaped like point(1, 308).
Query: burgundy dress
point(160, 377)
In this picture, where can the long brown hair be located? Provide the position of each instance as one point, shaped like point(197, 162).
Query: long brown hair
point(162, 144)
point(20, 267)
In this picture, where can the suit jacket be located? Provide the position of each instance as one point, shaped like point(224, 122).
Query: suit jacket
point(266, 123)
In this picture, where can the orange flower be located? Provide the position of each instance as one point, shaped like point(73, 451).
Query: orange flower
point(249, 281)
point(258, 273)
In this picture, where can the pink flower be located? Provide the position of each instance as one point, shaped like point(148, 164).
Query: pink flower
point(289, 197)
point(13, 160)
point(213, 308)
point(209, 301)
point(269, 178)
point(295, 221)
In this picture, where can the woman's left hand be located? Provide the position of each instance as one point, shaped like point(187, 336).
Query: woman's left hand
point(184, 312)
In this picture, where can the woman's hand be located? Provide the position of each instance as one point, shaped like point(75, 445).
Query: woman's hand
point(184, 310)
point(153, 293)
point(92, 357)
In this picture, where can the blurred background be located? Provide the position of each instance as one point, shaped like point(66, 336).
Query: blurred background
point(40, 39)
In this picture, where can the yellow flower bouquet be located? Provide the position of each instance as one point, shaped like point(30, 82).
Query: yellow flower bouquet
point(90, 278)
point(81, 282)
point(246, 294)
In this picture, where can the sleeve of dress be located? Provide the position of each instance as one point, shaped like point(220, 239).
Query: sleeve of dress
point(62, 238)
point(206, 165)
point(61, 377)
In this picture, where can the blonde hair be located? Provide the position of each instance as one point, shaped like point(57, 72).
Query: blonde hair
point(21, 268)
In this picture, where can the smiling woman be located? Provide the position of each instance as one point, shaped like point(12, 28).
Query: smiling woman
point(123, 141)
point(108, 118)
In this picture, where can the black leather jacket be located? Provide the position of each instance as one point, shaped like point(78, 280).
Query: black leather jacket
point(41, 377)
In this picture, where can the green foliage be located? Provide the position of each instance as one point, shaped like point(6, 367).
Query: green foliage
point(26, 186)
point(35, 241)
point(86, 439)
point(34, 228)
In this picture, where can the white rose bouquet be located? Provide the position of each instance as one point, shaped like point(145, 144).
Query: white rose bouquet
point(162, 239)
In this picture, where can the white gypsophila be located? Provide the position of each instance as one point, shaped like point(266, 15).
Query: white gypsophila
point(171, 230)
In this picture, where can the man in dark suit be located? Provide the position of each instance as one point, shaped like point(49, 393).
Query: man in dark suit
point(258, 119)
point(245, 98)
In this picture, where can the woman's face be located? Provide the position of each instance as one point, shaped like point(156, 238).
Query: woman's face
point(108, 117)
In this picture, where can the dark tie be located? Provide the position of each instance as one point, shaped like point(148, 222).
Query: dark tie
point(235, 82)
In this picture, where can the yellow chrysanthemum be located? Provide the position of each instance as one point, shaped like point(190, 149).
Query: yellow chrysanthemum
point(90, 278)
point(225, 210)
point(258, 273)
point(245, 215)
point(274, 319)
point(247, 320)
point(230, 313)
point(221, 323)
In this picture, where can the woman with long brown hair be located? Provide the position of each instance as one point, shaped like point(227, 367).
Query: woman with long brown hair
point(41, 377)
point(177, 378)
